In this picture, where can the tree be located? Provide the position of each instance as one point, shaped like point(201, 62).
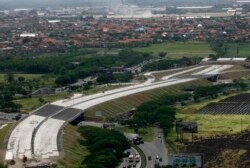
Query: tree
point(162, 54)
point(9, 77)
point(106, 147)
point(21, 79)
point(219, 47)
point(41, 100)
point(86, 87)
point(213, 57)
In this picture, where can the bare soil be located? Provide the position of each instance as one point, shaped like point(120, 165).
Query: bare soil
point(231, 151)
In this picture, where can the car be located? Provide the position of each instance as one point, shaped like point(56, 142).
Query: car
point(149, 158)
point(157, 157)
point(159, 136)
point(131, 158)
point(137, 158)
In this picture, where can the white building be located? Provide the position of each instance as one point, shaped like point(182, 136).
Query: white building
point(28, 35)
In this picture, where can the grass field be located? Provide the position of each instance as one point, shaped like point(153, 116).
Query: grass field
point(74, 152)
point(211, 125)
point(3, 133)
point(244, 50)
point(29, 104)
point(178, 50)
point(208, 125)
point(221, 124)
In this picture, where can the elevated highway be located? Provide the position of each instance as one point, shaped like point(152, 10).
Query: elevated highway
point(37, 135)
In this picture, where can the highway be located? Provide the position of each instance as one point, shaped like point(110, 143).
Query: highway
point(125, 162)
point(155, 148)
point(43, 126)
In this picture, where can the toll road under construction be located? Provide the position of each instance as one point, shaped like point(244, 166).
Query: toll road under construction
point(37, 136)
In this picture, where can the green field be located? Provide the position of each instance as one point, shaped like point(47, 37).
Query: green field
point(30, 104)
point(178, 50)
point(211, 125)
point(244, 50)
point(208, 125)
point(3, 133)
point(222, 124)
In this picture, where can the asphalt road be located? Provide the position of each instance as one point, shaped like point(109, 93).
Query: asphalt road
point(68, 114)
point(125, 162)
point(155, 148)
point(48, 110)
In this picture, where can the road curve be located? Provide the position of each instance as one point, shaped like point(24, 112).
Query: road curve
point(20, 144)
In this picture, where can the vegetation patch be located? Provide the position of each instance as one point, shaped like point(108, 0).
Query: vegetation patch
point(16, 76)
point(160, 111)
point(243, 49)
point(30, 104)
point(222, 124)
point(3, 133)
point(106, 147)
point(73, 151)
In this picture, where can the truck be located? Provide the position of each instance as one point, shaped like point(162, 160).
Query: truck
point(138, 140)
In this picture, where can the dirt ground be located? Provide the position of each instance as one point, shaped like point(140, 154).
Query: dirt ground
point(231, 151)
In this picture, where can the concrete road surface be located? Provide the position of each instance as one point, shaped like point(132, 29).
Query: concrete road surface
point(155, 148)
